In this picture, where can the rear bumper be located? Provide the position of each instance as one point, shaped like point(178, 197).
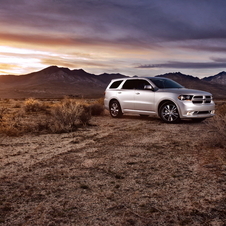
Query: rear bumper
point(106, 104)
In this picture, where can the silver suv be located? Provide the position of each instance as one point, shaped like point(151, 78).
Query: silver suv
point(157, 95)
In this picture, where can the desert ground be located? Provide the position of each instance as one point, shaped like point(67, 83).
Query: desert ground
point(128, 171)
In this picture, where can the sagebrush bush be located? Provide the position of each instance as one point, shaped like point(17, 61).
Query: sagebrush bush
point(97, 109)
point(33, 105)
point(35, 116)
point(221, 109)
point(217, 131)
point(68, 114)
point(3, 111)
point(216, 135)
point(63, 117)
point(83, 113)
point(100, 101)
point(11, 124)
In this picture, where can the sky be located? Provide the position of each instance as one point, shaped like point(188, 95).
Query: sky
point(131, 37)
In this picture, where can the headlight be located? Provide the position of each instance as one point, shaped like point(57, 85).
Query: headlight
point(185, 97)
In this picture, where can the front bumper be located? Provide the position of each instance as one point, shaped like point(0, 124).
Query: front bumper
point(191, 110)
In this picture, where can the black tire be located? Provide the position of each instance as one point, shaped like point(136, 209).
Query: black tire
point(115, 109)
point(198, 119)
point(168, 112)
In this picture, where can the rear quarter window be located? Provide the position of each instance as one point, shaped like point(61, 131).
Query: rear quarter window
point(130, 84)
point(115, 84)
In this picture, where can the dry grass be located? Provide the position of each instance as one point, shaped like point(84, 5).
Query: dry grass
point(37, 116)
point(214, 142)
point(67, 114)
point(33, 105)
point(216, 136)
point(221, 108)
point(3, 111)
point(97, 109)
point(217, 131)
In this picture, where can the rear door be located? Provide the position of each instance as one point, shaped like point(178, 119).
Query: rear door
point(126, 94)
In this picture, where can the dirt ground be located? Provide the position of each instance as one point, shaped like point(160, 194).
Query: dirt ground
point(128, 171)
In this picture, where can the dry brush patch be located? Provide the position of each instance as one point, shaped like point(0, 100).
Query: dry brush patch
point(68, 113)
point(37, 116)
point(34, 105)
point(214, 141)
point(128, 171)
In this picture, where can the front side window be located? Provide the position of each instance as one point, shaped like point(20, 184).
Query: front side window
point(163, 83)
point(141, 84)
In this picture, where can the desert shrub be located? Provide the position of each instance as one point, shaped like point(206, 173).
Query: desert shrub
point(96, 109)
point(40, 125)
point(83, 114)
point(100, 101)
point(215, 137)
point(64, 116)
point(3, 111)
point(16, 104)
point(67, 114)
point(214, 143)
point(213, 149)
point(221, 109)
point(217, 131)
point(12, 125)
point(7, 101)
point(17, 124)
point(33, 105)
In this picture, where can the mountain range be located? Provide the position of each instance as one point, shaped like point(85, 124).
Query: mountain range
point(56, 82)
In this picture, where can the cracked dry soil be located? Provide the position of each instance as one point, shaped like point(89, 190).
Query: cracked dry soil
point(128, 171)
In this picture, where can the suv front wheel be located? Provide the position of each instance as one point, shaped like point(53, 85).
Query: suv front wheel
point(115, 109)
point(168, 112)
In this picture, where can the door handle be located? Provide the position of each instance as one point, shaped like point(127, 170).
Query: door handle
point(137, 93)
point(119, 92)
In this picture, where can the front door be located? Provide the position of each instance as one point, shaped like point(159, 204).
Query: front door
point(144, 99)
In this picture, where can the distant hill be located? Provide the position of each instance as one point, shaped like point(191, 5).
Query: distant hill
point(56, 82)
point(106, 78)
point(219, 78)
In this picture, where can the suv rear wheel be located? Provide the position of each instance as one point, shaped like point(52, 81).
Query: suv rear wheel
point(168, 112)
point(115, 109)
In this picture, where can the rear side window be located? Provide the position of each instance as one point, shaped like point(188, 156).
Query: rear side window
point(130, 84)
point(135, 84)
point(115, 85)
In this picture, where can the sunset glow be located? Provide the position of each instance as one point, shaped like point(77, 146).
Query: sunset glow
point(130, 37)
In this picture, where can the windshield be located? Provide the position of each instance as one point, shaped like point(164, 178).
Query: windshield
point(164, 83)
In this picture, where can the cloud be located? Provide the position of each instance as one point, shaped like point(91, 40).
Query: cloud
point(218, 59)
point(209, 45)
point(63, 39)
point(132, 20)
point(186, 65)
point(73, 63)
point(109, 30)
point(39, 39)
point(7, 66)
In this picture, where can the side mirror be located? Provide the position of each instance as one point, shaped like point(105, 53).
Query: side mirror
point(148, 87)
